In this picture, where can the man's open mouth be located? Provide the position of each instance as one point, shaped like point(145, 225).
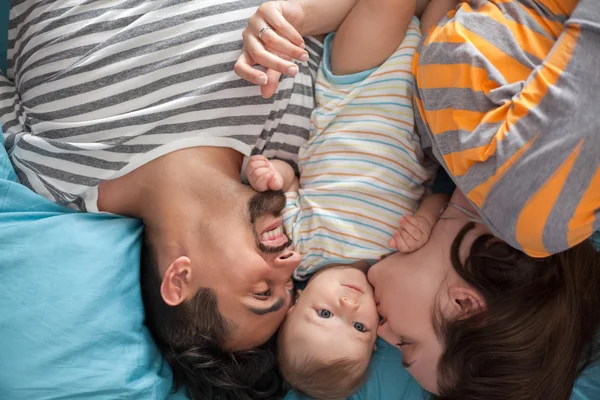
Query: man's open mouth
point(274, 236)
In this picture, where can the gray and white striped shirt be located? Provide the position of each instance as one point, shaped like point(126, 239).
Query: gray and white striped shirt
point(96, 89)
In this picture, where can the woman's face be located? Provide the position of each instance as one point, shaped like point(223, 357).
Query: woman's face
point(410, 288)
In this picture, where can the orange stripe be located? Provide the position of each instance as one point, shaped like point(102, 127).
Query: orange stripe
point(337, 210)
point(382, 95)
point(389, 72)
point(319, 82)
point(342, 234)
point(529, 40)
point(479, 193)
point(533, 93)
point(535, 213)
point(553, 28)
point(580, 226)
point(375, 96)
point(370, 195)
point(363, 133)
point(460, 76)
point(326, 251)
point(460, 162)
point(360, 153)
point(345, 174)
point(450, 119)
point(512, 70)
point(373, 115)
point(562, 7)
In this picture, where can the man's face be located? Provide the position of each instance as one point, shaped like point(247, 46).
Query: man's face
point(246, 260)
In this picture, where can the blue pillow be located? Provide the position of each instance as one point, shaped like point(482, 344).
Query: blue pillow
point(71, 315)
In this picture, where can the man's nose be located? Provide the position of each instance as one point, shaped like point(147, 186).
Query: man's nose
point(287, 260)
point(348, 304)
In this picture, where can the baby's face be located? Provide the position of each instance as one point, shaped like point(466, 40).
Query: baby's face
point(335, 316)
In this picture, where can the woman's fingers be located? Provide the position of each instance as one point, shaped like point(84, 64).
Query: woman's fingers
point(261, 56)
point(273, 40)
point(270, 87)
point(276, 16)
point(244, 68)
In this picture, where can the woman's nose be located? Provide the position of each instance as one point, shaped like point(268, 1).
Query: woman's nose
point(348, 304)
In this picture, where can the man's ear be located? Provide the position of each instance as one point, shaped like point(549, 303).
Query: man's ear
point(464, 302)
point(176, 280)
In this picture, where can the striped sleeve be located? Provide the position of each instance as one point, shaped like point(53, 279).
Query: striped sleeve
point(507, 94)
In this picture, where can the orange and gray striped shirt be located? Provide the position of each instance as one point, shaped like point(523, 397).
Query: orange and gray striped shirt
point(508, 100)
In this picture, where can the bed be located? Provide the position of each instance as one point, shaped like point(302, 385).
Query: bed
point(71, 315)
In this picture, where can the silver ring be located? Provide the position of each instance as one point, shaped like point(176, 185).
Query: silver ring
point(260, 33)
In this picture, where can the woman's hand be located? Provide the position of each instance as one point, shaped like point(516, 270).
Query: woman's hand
point(272, 40)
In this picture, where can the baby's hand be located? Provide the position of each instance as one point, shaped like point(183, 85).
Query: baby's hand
point(262, 175)
point(413, 234)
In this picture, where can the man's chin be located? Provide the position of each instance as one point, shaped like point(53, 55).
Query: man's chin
point(271, 202)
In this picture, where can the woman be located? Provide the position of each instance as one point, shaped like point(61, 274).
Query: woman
point(500, 88)
point(477, 319)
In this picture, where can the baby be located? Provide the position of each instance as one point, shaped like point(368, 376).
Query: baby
point(362, 170)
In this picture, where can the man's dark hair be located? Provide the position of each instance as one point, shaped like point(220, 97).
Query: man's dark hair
point(539, 328)
point(192, 336)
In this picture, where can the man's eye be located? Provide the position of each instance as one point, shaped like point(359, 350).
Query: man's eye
point(358, 326)
point(263, 295)
point(324, 313)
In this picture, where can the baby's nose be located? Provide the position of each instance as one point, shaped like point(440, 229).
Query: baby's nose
point(349, 304)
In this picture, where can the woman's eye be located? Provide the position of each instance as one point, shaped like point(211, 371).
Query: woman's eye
point(325, 313)
point(359, 326)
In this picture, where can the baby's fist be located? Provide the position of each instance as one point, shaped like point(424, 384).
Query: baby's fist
point(262, 175)
point(414, 232)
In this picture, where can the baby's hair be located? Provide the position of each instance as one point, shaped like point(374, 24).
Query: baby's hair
point(320, 379)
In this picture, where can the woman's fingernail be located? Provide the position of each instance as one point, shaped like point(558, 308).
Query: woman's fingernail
point(262, 80)
point(303, 57)
point(292, 71)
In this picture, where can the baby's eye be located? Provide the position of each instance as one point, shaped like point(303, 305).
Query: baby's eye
point(324, 313)
point(358, 326)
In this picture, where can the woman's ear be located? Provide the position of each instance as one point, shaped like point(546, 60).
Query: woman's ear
point(464, 302)
point(174, 286)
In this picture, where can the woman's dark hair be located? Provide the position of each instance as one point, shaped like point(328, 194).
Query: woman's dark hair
point(539, 328)
point(192, 335)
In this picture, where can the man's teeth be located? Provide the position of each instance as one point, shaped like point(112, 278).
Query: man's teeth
point(274, 234)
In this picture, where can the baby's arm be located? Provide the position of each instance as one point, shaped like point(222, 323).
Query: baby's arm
point(290, 181)
point(371, 32)
point(271, 175)
point(415, 230)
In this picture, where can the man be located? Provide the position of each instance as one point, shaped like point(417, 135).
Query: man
point(133, 108)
